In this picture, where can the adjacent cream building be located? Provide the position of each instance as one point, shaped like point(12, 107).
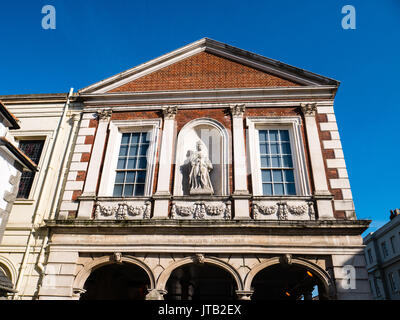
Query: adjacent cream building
point(45, 134)
point(382, 252)
point(208, 173)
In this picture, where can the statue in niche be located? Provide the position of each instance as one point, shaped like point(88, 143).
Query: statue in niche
point(200, 167)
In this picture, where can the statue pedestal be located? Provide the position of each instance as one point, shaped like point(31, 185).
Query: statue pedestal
point(207, 192)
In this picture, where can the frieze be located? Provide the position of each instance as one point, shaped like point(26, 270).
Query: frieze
point(284, 210)
point(122, 210)
point(201, 210)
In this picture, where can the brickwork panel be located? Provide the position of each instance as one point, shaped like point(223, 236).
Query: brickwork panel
point(204, 71)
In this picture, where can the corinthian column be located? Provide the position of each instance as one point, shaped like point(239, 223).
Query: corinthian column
point(162, 195)
point(240, 193)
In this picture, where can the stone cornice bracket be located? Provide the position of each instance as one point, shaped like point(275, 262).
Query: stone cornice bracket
point(309, 109)
point(237, 110)
point(170, 112)
point(104, 114)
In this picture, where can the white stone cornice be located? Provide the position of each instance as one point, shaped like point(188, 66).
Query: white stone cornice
point(191, 96)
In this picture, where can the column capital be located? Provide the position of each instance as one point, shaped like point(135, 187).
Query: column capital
point(104, 114)
point(237, 110)
point(170, 112)
point(309, 109)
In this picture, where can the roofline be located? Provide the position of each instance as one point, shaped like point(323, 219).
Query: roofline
point(18, 154)
point(37, 97)
point(13, 120)
point(388, 226)
point(277, 63)
point(216, 47)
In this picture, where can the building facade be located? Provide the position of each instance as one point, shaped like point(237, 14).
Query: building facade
point(382, 252)
point(13, 164)
point(45, 129)
point(208, 173)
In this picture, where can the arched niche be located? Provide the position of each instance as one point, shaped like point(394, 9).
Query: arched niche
point(214, 138)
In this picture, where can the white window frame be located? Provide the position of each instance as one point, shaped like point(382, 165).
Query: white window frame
point(117, 128)
point(46, 136)
point(293, 125)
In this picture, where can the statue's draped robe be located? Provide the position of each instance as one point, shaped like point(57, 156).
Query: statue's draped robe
point(199, 177)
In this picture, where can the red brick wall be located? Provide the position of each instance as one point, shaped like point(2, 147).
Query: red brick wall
point(204, 71)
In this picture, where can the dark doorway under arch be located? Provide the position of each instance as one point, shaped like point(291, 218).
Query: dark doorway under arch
point(287, 282)
point(122, 281)
point(200, 282)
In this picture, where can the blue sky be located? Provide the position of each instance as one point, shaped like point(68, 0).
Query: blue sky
point(95, 39)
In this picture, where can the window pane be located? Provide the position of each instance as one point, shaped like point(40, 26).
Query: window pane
point(130, 177)
point(276, 153)
point(117, 190)
point(121, 163)
point(263, 135)
point(131, 163)
point(275, 162)
point(141, 177)
point(265, 161)
point(277, 175)
point(290, 189)
point(267, 189)
point(120, 176)
point(273, 135)
point(288, 174)
point(133, 150)
point(125, 138)
point(142, 163)
point(130, 181)
point(143, 149)
point(128, 190)
point(274, 148)
point(286, 148)
point(139, 190)
point(278, 189)
point(284, 135)
point(144, 137)
point(266, 175)
point(33, 149)
point(123, 152)
point(264, 148)
point(135, 138)
point(287, 162)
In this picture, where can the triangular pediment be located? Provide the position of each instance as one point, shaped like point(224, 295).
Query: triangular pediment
point(208, 64)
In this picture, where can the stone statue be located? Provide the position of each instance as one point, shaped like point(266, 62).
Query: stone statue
point(199, 177)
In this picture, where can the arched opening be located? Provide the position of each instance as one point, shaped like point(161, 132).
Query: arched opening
point(288, 282)
point(118, 281)
point(200, 282)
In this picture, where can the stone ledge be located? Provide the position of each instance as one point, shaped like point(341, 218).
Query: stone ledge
point(348, 227)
